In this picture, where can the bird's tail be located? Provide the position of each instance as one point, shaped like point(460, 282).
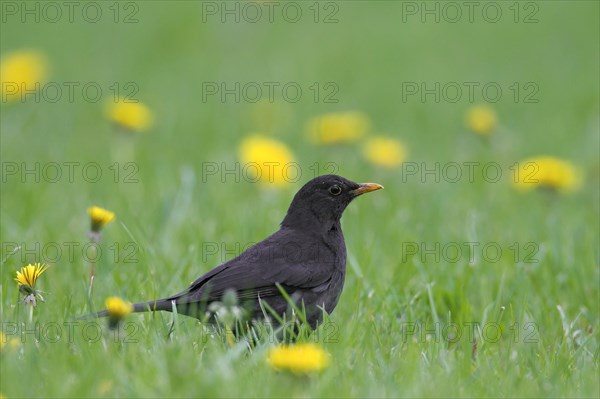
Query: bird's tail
point(152, 306)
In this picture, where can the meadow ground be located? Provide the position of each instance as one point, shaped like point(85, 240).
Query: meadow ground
point(458, 283)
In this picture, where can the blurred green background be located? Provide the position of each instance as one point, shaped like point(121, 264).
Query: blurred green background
point(370, 51)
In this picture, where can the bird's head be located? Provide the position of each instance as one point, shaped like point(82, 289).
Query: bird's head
point(322, 201)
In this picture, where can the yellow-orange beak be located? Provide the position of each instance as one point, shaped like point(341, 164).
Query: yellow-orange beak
point(365, 188)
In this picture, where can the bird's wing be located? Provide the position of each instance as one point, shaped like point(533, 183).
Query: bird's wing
point(283, 258)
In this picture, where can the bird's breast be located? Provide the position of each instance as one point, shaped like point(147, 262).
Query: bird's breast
point(338, 247)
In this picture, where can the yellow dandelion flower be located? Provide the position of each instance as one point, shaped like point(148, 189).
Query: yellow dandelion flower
point(482, 120)
point(26, 280)
point(134, 116)
point(338, 127)
point(100, 217)
point(547, 172)
point(384, 151)
point(117, 309)
point(21, 72)
point(267, 160)
point(299, 358)
point(28, 275)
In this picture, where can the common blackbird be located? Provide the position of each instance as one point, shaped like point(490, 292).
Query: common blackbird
point(306, 258)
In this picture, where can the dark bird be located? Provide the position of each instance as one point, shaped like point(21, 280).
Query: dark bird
point(306, 258)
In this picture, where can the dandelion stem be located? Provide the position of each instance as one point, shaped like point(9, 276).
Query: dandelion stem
point(91, 281)
point(92, 268)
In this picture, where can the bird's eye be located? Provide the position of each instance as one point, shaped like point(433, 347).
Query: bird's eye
point(335, 190)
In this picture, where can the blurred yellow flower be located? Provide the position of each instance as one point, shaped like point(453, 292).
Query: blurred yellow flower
point(105, 387)
point(28, 275)
point(100, 217)
point(134, 116)
point(384, 151)
point(547, 172)
point(21, 72)
point(482, 120)
point(12, 343)
point(338, 127)
point(117, 308)
point(267, 160)
point(299, 358)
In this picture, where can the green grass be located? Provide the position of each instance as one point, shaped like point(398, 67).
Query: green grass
point(547, 311)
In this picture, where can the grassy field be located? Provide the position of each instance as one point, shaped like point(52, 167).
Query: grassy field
point(456, 286)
